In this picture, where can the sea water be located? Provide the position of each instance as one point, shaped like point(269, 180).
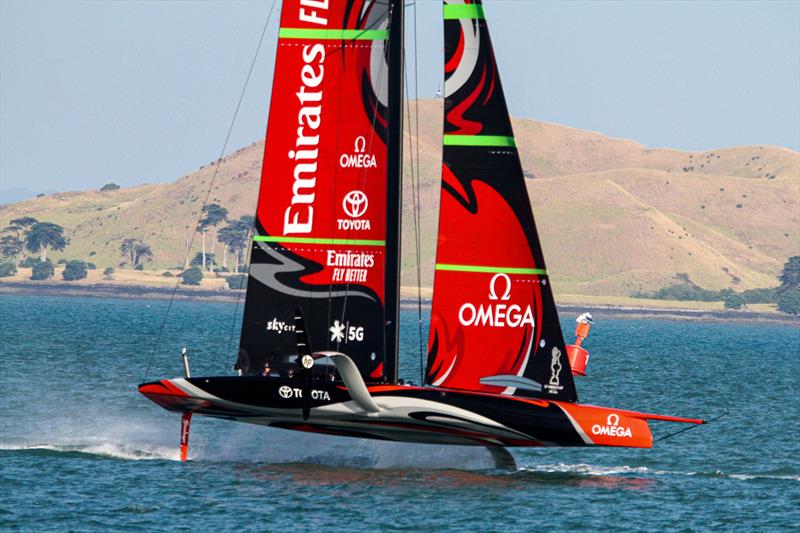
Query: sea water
point(81, 449)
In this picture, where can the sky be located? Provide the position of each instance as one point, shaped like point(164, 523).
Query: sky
point(143, 92)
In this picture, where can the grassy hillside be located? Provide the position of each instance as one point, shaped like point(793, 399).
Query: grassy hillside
point(614, 216)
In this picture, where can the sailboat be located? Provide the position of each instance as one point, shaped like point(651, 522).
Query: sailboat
point(319, 342)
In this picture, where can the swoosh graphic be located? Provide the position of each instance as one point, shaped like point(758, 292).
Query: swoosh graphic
point(267, 274)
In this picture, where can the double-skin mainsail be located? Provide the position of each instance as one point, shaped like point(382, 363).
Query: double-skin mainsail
point(327, 223)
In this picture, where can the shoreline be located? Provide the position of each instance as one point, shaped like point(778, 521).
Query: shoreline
point(142, 292)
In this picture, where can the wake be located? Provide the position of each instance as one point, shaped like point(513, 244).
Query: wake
point(354, 453)
point(139, 436)
point(145, 438)
point(102, 449)
point(583, 469)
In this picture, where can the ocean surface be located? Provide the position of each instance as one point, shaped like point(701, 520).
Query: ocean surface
point(81, 450)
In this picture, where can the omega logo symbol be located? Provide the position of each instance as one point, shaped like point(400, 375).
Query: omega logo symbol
point(360, 145)
point(492, 287)
point(285, 391)
point(355, 203)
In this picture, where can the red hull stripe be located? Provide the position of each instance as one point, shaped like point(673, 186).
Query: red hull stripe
point(333, 34)
point(465, 11)
point(662, 418)
point(491, 269)
point(164, 388)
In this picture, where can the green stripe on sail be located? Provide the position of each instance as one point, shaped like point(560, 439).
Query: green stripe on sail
point(463, 11)
point(315, 240)
point(333, 34)
point(491, 269)
point(478, 140)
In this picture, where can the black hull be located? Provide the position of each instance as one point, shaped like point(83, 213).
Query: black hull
point(408, 413)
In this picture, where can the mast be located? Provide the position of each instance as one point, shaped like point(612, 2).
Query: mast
point(394, 189)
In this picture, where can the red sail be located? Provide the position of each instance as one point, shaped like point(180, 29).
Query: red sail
point(494, 324)
point(321, 229)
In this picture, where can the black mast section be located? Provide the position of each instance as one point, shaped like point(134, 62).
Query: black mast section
point(394, 188)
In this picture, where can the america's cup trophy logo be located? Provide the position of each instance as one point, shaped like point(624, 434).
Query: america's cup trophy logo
point(554, 384)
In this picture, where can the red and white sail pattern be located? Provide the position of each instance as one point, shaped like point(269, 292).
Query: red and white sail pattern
point(494, 324)
point(321, 232)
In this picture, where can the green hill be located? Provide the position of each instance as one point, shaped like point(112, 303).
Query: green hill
point(614, 216)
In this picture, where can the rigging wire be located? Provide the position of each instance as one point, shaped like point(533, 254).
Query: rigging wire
point(414, 202)
point(418, 207)
point(210, 188)
point(670, 435)
point(413, 141)
point(248, 247)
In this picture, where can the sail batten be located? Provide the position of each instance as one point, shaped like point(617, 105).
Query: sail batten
point(493, 314)
point(340, 34)
point(479, 140)
point(318, 240)
point(492, 269)
point(463, 11)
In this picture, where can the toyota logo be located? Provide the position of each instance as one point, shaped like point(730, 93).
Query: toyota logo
point(285, 391)
point(355, 203)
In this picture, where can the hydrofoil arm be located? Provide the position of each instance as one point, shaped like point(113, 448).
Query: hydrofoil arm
point(352, 380)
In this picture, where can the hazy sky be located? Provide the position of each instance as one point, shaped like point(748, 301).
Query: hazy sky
point(134, 92)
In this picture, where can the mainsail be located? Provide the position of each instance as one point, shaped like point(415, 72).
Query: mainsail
point(323, 241)
point(494, 324)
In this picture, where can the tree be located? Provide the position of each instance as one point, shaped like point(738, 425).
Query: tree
point(215, 214)
point(42, 270)
point(136, 250)
point(142, 252)
point(234, 238)
point(734, 301)
point(790, 277)
point(19, 227)
point(193, 276)
point(11, 246)
point(237, 281)
point(197, 260)
point(74, 270)
point(7, 268)
point(789, 301)
point(44, 235)
point(109, 187)
point(25, 222)
point(250, 223)
point(29, 262)
point(127, 248)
